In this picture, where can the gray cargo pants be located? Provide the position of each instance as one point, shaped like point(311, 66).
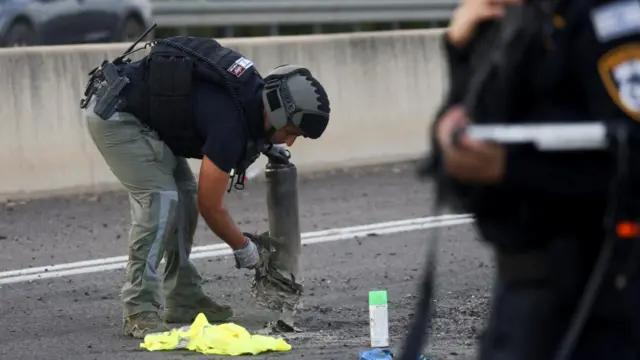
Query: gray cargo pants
point(162, 194)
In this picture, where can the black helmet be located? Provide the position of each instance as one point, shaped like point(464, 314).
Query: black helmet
point(292, 95)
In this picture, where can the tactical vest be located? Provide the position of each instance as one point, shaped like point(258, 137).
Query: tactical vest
point(161, 93)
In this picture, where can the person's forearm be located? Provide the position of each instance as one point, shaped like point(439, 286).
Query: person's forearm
point(220, 222)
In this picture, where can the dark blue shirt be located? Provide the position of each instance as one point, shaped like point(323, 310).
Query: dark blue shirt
point(220, 123)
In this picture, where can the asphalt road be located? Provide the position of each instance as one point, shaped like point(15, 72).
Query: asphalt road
point(79, 317)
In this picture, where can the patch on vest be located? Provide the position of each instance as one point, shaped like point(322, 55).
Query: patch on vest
point(620, 73)
point(616, 19)
point(240, 66)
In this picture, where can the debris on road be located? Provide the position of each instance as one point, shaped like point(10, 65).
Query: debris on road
point(223, 339)
point(274, 286)
point(382, 354)
point(376, 354)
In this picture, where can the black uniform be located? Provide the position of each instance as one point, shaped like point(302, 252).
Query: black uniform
point(221, 126)
point(545, 220)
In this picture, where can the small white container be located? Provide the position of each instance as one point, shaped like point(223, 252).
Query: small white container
point(379, 318)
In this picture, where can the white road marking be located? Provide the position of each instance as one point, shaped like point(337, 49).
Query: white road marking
point(207, 251)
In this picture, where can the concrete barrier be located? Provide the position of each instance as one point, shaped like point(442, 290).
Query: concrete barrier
point(384, 87)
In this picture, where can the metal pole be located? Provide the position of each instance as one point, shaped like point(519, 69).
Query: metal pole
point(279, 288)
point(284, 216)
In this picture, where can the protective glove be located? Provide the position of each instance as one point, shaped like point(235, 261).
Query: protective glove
point(248, 256)
point(264, 241)
point(266, 247)
point(278, 154)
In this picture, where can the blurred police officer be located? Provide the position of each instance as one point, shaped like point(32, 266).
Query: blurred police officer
point(514, 61)
point(190, 98)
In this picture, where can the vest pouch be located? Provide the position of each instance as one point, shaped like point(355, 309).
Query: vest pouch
point(171, 105)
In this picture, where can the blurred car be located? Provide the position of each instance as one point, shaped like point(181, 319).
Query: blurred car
point(56, 22)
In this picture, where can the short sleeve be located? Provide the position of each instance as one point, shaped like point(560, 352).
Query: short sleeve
point(221, 127)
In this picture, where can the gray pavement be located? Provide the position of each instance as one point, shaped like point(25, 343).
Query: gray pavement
point(78, 317)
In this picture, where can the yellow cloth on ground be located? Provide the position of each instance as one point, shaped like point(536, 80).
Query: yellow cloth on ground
point(223, 339)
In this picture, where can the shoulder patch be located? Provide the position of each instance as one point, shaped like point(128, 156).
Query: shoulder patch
point(616, 19)
point(620, 73)
point(240, 66)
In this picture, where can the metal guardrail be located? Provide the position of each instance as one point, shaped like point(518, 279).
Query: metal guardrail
point(181, 13)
